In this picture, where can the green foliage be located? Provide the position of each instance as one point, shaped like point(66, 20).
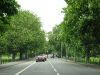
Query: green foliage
point(25, 36)
point(80, 30)
point(57, 40)
point(81, 22)
point(8, 8)
point(3, 45)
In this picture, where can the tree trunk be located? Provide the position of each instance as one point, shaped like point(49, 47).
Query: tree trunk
point(21, 56)
point(13, 56)
point(0, 58)
point(61, 49)
point(25, 55)
point(87, 55)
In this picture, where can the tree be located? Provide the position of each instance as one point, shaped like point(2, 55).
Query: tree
point(7, 8)
point(57, 40)
point(26, 35)
point(79, 30)
point(81, 22)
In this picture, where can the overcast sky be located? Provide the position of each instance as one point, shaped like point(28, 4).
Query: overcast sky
point(49, 11)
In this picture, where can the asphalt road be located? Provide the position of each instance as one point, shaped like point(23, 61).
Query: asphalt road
point(50, 67)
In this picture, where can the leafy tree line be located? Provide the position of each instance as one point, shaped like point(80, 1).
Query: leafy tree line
point(26, 35)
point(21, 34)
point(78, 35)
point(8, 8)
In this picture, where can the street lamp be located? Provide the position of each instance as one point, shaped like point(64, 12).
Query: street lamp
point(47, 54)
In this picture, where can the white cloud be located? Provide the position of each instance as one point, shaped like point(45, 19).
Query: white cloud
point(48, 10)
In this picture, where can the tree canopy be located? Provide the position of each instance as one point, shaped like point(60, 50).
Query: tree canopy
point(79, 32)
point(8, 8)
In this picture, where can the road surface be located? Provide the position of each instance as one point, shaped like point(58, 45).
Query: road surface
point(50, 67)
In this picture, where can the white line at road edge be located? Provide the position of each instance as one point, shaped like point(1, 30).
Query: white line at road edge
point(54, 68)
point(24, 69)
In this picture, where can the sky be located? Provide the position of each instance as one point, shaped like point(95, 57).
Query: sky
point(49, 11)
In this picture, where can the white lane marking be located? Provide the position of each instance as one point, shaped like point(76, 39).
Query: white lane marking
point(58, 74)
point(24, 69)
point(54, 68)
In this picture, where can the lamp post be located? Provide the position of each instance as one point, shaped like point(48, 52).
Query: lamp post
point(47, 54)
point(61, 49)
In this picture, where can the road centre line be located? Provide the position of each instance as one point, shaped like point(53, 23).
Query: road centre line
point(54, 68)
point(24, 69)
point(58, 74)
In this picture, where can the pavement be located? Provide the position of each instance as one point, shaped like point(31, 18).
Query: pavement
point(86, 64)
point(50, 67)
point(2, 66)
point(9, 64)
point(91, 66)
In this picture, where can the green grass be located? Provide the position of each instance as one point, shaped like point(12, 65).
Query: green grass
point(95, 59)
point(6, 57)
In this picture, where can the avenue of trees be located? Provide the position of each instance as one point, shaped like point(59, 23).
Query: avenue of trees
point(20, 31)
point(78, 36)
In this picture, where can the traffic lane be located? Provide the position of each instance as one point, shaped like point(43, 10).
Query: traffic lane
point(40, 68)
point(68, 68)
point(15, 68)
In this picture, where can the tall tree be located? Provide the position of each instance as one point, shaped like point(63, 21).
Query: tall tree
point(7, 8)
point(81, 22)
point(26, 34)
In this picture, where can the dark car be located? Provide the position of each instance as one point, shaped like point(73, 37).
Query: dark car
point(45, 57)
point(40, 59)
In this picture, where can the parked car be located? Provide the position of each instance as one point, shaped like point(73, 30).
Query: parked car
point(40, 59)
point(45, 57)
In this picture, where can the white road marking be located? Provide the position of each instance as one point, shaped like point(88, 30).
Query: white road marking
point(54, 69)
point(24, 69)
point(58, 74)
